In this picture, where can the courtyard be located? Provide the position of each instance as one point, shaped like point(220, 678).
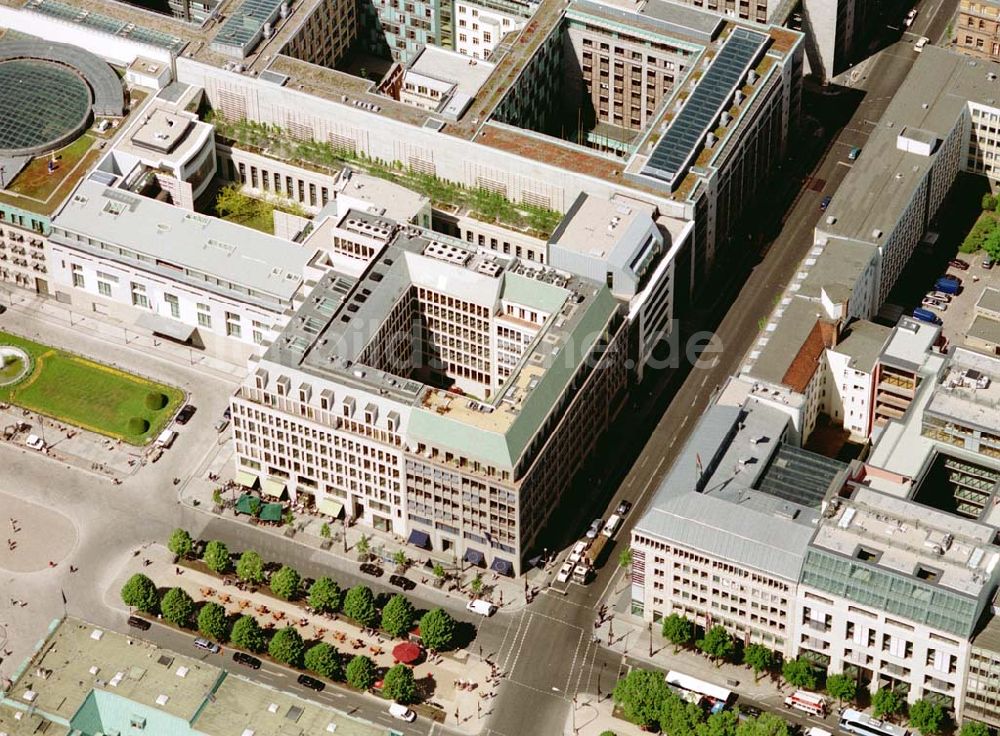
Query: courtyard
point(89, 395)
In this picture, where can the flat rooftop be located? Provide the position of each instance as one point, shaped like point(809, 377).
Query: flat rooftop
point(161, 130)
point(786, 334)
point(863, 341)
point(595, 226)
point(834, 268)
point(985, 329)
point(466, 73)
point(989, 300)
point(892, 533)
point(383, 198)
point(708, 501)
point(200, 246)
point(969, 391)
point(910, 342)
point(882, 181)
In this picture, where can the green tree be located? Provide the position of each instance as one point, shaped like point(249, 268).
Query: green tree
point(324, 596)
point(992, 244)
point(927, 717)
point(607, 733)
point(759, 658)
point(842, 687)
point(250, 567)
point(678, 630)
point(679, 718)
point(359, 604)
point(397, 616)
point(324, 531)
point(140, 592)
point(400, 558)
point(974, 728)
point(180, 543)
point(439, 572)
point(641, 695)
point(799, 672)
point(723, 723)
point(217, 556)
point(437, 630)
point(985, 225)
point(361, 672)
point(717, 643)
point(766, 724)
point(285, 583)
point(398, 684)
point(363, 547)
point(625, 559)
point(213, 622)
point(247, 634)
point(887, 703)
point(324, 660)
point(177, 607)
point(477, 584)
point(287, 646)
point(989, 202)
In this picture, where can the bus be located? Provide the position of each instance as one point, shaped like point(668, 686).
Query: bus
point(856, 722)
point(811, 703)
point(717, 696)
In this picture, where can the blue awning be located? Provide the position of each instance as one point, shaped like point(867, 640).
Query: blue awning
point(419, 539)
point(474, 557)
point(502, 566)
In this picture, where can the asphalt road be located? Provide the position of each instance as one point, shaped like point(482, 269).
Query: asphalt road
point(548, 653)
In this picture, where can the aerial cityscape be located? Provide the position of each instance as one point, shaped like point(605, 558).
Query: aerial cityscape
point(500, 367)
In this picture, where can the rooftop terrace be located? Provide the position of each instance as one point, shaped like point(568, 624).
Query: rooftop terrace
point(969, 391)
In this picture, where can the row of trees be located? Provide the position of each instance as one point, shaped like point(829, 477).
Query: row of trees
point(647, 700)
point(285, 645)
point(396, 618)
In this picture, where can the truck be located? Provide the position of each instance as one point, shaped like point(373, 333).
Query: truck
point(925, 315)
point(585, 567)
point(948, 286)
point(812, 703)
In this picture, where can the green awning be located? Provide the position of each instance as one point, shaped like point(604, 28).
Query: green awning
point(245, 504)
point(330, 507)
point(247, 479)
point(271, 512)
point(273, 487)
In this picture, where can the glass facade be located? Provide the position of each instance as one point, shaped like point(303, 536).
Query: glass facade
point(890, 592)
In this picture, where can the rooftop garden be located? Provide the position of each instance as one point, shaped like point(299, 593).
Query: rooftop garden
point(482, 204)
point(40, 190)
point(235, 205)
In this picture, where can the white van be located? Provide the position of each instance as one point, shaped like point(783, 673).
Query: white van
point(402, 712)
point(483, 608)
point(166, 438)
point(611, 526)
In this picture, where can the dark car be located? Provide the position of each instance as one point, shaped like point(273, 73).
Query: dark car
point(623, 508)
point(2, 309)
point(246, 660)
point(825, 202)
point(184, 415)
point(959, 264)
point(369, 568)
point(749, 711)
point(311, 682)
point(949, 277)
point(401, 581)
point(228, 413)
point(138, 623)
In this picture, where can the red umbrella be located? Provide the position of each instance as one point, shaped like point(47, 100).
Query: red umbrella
point(407, 652)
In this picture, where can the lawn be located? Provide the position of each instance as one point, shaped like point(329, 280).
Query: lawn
point(36, 182)
point(90, 395)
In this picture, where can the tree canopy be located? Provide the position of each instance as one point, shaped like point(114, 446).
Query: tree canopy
point(177, 607)
point(886, 702)
point(717, 643)
point(678, 630)
point(841, 687)
point(213, 621)
point(140, 592)
point(324, 596)
point(285, 583)
point(247, 634)
point(759, 658)
point(216, 556)
point(399, 685)
point(641, 695)
point(927, 717)
point(437, 630)
point(287, 646)
point(361, 672)
point(397, 616)
point(799, 672)
point(359, 604)
point(250, 567)
point(180, 543)
point(324, 660)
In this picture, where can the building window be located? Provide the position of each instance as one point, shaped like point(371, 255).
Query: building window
point(78, 275)
point(204, 315)
point(258, 332)
point(139, 298)
point(175, 305)
point(233, 325)
point(104, 288)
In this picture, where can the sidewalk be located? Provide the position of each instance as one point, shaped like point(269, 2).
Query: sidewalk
point(464, 709)
point(504, 592)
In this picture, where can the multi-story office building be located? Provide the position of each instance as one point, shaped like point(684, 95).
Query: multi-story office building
point(192, 11)
point(482, 25)
point(901, 367)
point(89, 680)
point(977, 29)
point(325, 34)
point(445, 395)
point(724, 538)
point(982, 685)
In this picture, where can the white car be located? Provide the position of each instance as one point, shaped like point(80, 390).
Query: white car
point(483, 608)
point(934, 304)
point(921, 42)
point(35, 442)
point(611, 526)
point(402, 713)
point(910, 17)
point(577, 553)
point(565, 571)
point(208, 646)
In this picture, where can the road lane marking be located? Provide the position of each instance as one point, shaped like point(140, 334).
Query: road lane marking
point(572, 664)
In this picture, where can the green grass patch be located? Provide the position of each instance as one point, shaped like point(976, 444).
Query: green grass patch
point(36, 182)
point(91, 395)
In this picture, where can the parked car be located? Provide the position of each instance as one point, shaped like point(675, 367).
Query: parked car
point(623, 508)
point(921, 42)
point(825, 202)
point(220, 426)
point(370, 568)
point(35, 442)
point(934, 304)
point(166, 438)
point(247, 660)
point(614, 521)
point(749, 711)
point(853, 155)
point(2, 309)
point(139, 623)
point(595, 528)
point(483, 608)
point(565, 571)
point(950, 277)
point(987, 263)
point(402, 712)
point(208, 646)
point(311, 682)
point(959, 264)
point(401, 581)
point(578, 549)
point(940, 295)
point(925, 315)
point(910, 17)
point(184, 415)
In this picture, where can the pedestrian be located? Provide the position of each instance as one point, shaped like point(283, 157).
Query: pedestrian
point(51, 563)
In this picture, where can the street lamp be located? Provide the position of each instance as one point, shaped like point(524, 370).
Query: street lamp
point(650, 629)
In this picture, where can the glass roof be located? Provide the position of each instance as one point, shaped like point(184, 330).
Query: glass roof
point(40, 103)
